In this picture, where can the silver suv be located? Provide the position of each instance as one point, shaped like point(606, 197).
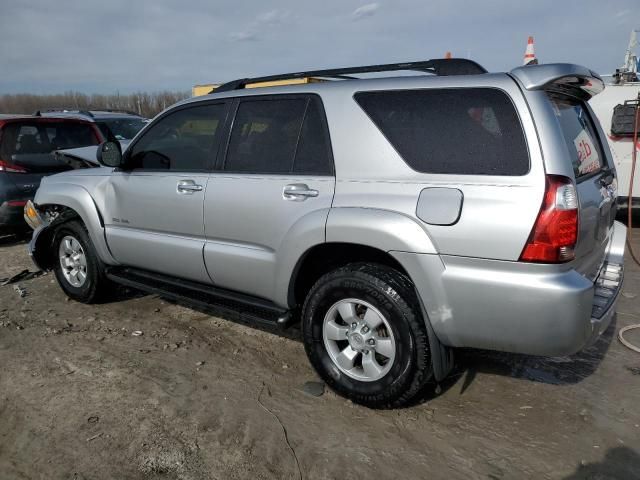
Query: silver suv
point(397, 218)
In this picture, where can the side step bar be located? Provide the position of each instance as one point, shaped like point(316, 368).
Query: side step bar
point(249, 308)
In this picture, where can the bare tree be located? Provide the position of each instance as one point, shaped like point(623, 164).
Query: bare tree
point(143, 103)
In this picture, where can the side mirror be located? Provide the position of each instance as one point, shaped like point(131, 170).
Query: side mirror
point(110, 154)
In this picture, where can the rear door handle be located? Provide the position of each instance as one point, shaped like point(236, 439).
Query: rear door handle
point(189, 187)
point(298, 192)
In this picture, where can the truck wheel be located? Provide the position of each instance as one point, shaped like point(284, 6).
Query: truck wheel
point(365, 335)
point(78, 269)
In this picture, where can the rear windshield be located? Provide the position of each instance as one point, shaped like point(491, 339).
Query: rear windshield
point(29, 138)
point(121, 128)
point(579, 134)
point(470, 131)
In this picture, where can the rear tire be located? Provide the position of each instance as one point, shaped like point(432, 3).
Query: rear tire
point(79, 271)
point(365, 335)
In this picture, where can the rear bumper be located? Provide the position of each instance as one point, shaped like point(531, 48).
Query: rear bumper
point(11, 216)
point(608, 284)
point(517, 307)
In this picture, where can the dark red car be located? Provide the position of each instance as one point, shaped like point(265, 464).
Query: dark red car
point(27, 144)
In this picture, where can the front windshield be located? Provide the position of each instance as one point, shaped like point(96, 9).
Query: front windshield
point(121, 128)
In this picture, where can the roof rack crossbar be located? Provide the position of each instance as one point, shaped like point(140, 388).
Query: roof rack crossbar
point(437, 66)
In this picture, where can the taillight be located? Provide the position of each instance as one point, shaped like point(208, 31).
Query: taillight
point(555, 233)
point(10, 167)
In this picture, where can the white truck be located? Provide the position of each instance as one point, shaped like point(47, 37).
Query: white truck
point(621, 147)
point(621, 87)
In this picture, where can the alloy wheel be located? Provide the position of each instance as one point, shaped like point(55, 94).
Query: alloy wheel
point(73, 261)
point(359, 340)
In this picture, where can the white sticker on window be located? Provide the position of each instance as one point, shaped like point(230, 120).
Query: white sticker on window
point(588, 158)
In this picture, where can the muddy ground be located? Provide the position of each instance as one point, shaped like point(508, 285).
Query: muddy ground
point(199, 396)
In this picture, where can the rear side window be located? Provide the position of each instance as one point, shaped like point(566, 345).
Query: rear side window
point(279, 136)
point(314, 150)
point(579, 134)
point(470, 131)
point(185, 140)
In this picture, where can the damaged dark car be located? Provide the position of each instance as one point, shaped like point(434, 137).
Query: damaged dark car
point(27, 153)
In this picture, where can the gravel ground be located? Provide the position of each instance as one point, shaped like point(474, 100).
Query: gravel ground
point(200, 396)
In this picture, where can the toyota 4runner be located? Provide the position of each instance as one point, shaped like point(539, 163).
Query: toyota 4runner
point(397, 218)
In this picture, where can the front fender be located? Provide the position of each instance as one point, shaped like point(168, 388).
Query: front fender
point(381, 229)
point(79, 200)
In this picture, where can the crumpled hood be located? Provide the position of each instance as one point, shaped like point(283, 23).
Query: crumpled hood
point(88, 154)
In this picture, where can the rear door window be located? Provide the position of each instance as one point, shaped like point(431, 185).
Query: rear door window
point(265, 135)
point(470, 131)
point(280, 136)
point(579, 134)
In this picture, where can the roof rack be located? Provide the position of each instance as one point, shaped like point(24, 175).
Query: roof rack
point(88, 113)
point(117, 110)
point(437, 66)
point(38, 113)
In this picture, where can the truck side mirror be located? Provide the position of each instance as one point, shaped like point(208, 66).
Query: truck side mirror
point(110, 154)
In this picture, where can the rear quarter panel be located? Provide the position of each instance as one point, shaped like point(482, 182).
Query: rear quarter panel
point(498, 212)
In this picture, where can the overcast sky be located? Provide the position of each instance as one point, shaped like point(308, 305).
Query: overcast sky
point(106, 46)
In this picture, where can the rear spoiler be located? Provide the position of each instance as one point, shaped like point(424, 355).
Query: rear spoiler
point(564, 78)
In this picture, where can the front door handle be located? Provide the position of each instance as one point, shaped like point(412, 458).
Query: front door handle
point(298, 192)
point(188, 187)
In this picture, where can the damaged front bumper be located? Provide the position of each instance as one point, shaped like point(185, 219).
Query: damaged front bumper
point(33, 253)
point(39, 225)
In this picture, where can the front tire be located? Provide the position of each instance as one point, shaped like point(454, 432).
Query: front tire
point(365, 335)
point(79, 271)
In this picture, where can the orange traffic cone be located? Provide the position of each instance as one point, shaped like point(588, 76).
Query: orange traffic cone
point(530, 54)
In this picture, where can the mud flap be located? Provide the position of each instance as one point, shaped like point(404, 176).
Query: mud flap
point(441, 355)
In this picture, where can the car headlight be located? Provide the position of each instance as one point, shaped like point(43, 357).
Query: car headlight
point(31, 216)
